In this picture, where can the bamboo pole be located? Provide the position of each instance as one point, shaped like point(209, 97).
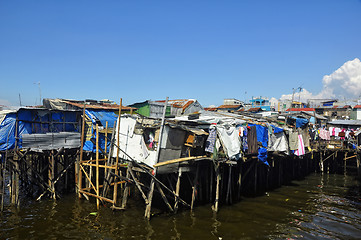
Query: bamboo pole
point(177, 190)
point(150, 195)
point(218, 179)
point(78, 179)
point(97, 163)
point(137, 184)
point(106, 139)
point(194, 187)
point(115, 191)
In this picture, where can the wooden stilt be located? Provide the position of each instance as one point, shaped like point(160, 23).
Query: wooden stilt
point(239, 182)
point(97, 164)
point(115, 191)
point(255, 177)
point(164, 197)
point(358, 164)
point(150, 194)
point(137, 184)
point(218, 179)
point(79, 177)
point(177, 190)
point(52, 174)
point(229, 185)
point(194, 187)
point(126, 191)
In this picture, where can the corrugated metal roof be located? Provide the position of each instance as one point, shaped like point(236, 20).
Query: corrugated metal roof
point(104, 106)
point(180, 103)
point(254, 109)
point(230, 106)
point(346, 122)
point(300, 109)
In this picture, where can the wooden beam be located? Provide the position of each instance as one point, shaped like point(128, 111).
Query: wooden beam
point(180, 160)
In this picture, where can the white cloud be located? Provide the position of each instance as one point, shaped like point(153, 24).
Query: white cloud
point(345, 82)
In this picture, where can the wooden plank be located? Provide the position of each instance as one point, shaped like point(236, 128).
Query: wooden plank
point(87, 161)
point(96, 196)
point(180, 160)
point(101, 166)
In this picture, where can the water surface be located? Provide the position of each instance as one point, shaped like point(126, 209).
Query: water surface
point(318, 207)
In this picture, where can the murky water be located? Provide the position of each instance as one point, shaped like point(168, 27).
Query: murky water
point(319, 207)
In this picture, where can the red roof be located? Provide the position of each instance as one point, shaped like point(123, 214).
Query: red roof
point(210, 109)
point(300, 109)
point(180, 103)
point(357, 106)
point(254, 109)
point(230, 106)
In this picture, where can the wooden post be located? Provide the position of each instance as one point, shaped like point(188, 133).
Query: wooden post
point(358, 164)
point(97, 163)
point(239, 182)
point(52, 173)
point(150, 194)
point(321, 162)
point(255, 177)
point(126, 190)
point(177, 190)
point(106, 139)
point(194, 187)
point(218, 179)
point(115, 191)
point(78, 179)
point(229, 186)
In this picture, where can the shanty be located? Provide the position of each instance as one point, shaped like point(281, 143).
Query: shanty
point(169, 154)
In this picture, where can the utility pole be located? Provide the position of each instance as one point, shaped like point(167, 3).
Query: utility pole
point(19, 99)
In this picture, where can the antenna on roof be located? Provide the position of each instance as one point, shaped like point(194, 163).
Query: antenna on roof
point(39, 91)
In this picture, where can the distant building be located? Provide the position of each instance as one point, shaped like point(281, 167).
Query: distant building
point(151, 109)
point(232, 101)
point(356, 113)
point(183, 106)
point(261, 102)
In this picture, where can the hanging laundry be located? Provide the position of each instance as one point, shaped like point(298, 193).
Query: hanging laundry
point(244, 140)
point(277, 142)
point(211, 139)
point(305, 137)
point(293, 140)
point(252, 140)
point(324, 134)
point(230, 140)
point(301, 147)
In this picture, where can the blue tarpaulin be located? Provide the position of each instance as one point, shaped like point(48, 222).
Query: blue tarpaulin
point(101, 116)
point(300, 122)
point(34, 121)
point(262, 136)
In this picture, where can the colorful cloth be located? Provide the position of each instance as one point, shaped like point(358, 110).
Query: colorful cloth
point(211, 140)
point(301, 147)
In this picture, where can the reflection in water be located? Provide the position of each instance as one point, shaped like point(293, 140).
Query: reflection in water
point(319, 207)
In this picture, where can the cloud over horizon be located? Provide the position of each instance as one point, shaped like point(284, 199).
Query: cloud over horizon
point(344, 83)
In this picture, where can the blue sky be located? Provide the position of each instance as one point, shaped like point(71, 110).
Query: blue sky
point(139, 50)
